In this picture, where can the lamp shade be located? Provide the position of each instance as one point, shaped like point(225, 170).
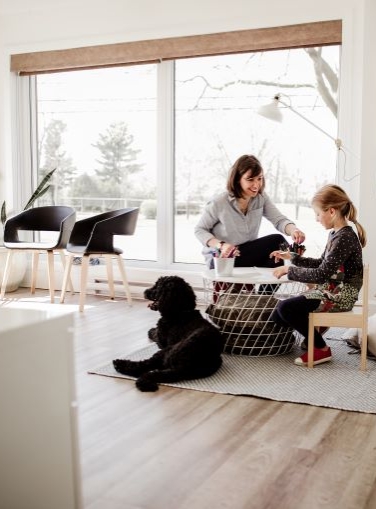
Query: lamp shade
point(271, 111)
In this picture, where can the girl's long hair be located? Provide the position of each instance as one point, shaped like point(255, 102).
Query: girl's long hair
point(333, 196)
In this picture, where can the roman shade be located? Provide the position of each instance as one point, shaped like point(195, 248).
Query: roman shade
point(321, 33)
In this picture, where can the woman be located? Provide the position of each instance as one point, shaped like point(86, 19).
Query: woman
point(335, 278)
point(231, 221)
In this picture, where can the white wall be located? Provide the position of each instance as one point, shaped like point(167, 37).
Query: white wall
point(56, 24)
point(367, 129)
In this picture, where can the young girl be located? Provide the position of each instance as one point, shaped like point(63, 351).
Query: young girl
point(335, 279)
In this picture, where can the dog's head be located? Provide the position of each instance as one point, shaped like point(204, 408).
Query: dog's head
point(170, 295)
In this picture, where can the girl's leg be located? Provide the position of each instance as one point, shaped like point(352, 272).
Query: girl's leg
point(294, 312)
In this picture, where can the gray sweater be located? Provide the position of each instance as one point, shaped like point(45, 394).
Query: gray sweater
point(223, 220)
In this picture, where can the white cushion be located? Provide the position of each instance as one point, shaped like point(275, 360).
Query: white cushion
point(350, 334)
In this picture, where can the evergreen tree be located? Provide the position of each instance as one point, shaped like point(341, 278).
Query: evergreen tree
point(87, 193)
point(54, 156)
point(85, 185)
point(117, 158)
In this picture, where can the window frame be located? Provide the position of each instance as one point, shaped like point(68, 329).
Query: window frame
point(26, 66)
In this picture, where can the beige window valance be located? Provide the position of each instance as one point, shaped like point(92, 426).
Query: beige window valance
point(140, 52)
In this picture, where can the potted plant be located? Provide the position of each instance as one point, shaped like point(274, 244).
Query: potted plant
point(19, 268)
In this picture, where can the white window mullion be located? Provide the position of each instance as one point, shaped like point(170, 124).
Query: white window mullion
point(33, 132)
point(24, 144)
point(165, 164)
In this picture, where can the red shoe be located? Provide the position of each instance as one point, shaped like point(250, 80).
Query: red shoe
point(319, 357)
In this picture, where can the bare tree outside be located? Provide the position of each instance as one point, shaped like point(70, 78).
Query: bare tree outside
point(217, 99)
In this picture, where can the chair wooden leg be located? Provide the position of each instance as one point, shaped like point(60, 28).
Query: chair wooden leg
point(110, 276)
point(7, 269)
point(66, 277)
point(363, 351)
point(34, 270)
point(125, 279)
point(51, 275)
point(84, 272)
point(63, 261)
point(310, 341)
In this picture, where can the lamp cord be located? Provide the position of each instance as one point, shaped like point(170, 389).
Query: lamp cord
point(344, 167)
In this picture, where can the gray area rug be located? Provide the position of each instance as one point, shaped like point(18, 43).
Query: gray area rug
point(339, 384)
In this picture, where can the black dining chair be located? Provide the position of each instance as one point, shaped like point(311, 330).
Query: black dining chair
point(54, 218)
point(94, 237)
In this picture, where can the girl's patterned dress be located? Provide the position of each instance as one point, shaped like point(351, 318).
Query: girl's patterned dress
point(336, 277)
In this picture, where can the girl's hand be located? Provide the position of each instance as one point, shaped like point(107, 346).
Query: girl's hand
point(280, 271)
point(280, 255)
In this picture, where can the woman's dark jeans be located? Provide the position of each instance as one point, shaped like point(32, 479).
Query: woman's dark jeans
point(255, 253)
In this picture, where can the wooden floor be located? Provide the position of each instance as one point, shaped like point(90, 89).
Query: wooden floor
point(182, 449)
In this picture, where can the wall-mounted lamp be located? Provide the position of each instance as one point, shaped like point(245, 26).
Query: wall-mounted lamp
point(272, 111)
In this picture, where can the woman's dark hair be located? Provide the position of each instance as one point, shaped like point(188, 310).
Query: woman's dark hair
point(239, 168)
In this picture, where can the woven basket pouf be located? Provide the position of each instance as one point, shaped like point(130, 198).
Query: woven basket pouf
point(244, 321)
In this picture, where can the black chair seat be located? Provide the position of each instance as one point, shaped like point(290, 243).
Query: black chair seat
point(30, 246)
point(94, 236)
point(82, 250)
point(54, 218)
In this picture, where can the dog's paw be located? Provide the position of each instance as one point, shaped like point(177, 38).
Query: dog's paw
point(125, 366)
point(143, 384)
point(152, 333)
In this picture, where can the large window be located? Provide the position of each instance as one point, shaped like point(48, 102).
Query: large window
point(217, 99)
point(99, 128)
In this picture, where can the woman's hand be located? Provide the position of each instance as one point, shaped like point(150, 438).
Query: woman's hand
point(280, 255)
point(297, 236)
point(229, 250)
point(280, 271)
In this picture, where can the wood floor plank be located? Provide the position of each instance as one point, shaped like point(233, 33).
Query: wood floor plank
point(185, 449)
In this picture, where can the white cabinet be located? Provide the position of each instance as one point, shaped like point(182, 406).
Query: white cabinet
point(39, 467)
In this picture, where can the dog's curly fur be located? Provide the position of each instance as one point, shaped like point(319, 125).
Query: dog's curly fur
point(190, 346)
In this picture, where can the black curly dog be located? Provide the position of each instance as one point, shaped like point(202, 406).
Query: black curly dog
point(190, 346)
